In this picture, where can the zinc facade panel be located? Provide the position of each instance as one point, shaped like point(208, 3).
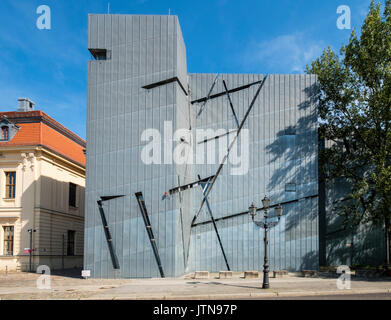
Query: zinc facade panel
point(147, 49)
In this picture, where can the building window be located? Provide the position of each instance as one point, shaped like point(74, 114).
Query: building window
point(10, 180)
point(72, 194)
point(8, 240)
point(4, 133)
point(71, 243)
point(100, 54)
point(290, 187)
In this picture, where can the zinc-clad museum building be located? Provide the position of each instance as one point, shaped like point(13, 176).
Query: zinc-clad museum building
point(139, 81)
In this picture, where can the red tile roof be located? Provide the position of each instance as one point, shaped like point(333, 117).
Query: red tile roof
point(37, 128)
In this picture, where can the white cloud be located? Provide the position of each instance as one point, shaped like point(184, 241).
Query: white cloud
point(285, 53)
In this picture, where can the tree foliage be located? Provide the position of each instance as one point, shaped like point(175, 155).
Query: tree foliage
point(355, 117)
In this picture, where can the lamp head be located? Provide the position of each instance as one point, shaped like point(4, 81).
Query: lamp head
point(252, 210)
point(265, 202)
point(278, 210)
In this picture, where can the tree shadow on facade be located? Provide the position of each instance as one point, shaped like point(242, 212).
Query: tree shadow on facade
point(294, 155)
point(293, 145)
point(310, 261)
point(364, 245)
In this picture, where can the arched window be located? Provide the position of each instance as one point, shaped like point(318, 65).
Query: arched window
point(4, 133)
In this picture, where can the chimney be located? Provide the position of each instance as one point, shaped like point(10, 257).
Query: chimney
point(25, 104)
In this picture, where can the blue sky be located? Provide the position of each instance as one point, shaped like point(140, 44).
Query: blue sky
point(259, 36)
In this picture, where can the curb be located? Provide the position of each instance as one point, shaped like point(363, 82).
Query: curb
point(228, 296)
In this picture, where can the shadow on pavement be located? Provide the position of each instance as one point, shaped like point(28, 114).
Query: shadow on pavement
point(68, 273)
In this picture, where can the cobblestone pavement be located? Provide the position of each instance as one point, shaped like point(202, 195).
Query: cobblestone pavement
point(24, 286)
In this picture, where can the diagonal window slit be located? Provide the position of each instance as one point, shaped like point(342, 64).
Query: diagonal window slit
point(225, 92)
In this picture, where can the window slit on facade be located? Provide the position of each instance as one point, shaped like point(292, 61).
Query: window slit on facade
point(217, 137)
point(100, 54)
point(290, 187)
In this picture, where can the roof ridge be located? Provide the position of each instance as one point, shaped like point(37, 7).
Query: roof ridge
point(57, 125)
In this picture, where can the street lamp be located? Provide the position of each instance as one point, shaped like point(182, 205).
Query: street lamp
point(266, 225)
point(266, 202)
point(30, 231)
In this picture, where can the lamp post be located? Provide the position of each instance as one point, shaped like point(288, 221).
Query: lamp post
point(63, 251)
point(30, 231)
point(266, 225)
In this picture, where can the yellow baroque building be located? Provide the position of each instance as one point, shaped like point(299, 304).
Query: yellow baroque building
point(42, 182)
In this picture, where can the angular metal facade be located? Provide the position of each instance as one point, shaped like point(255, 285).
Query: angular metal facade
point(142, 84)
point(282, 152)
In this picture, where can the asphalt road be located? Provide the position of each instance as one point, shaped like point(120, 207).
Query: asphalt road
point(369, 296)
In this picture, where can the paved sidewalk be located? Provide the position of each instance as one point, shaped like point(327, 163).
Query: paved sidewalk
point(23, 286)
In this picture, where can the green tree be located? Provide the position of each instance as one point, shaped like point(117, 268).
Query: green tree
point(355, 117)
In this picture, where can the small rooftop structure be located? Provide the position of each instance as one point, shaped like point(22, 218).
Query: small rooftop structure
point(25, 104)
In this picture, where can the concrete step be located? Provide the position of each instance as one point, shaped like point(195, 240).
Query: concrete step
point(309, 273)
point(251, 274)
point(280, 273)
point(225, 274)
point(201, 275)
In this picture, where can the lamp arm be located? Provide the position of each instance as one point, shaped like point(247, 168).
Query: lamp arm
point(259, 224)
point(273, 224)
